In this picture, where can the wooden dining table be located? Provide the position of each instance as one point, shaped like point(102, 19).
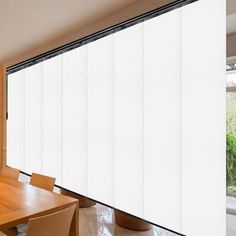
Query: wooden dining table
point(20, 202)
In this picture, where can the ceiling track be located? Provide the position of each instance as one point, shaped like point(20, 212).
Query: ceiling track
point(97, 35)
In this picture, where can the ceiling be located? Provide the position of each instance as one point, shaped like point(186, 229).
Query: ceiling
point(231, 16)
point(27, 24)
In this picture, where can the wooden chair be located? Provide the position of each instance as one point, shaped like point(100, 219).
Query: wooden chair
point(52, 224)
point(42, 181)
point(10, 172)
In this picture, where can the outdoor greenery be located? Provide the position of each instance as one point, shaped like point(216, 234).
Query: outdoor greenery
point(231, 159)
point(231, 142)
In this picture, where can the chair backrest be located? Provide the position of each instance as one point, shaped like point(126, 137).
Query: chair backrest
point(53, 224)
point(10, 172)
point(42, 181)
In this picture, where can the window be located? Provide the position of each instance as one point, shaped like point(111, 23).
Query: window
point(231, 133)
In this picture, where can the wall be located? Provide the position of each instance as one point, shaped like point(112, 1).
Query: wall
point(231, 45)
point(2, 114)
point(120, 15)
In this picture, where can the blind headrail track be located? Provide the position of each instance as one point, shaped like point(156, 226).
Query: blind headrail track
point(97, 35)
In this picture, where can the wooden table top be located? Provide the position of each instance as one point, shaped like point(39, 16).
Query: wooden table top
point(20, 201)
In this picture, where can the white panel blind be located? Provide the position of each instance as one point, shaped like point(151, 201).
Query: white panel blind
point(52, 118)
point(203, 118)
point(74, 120)
point(16, 121)
point(162, 119)
point(134, 119)
point(129, 119)
point(100, 119)
point(33, 119)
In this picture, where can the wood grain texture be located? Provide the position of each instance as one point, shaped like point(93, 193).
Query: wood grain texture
point(20, 202)
point(10, 172)
point(83, 201)
point(2, 116)
point(42, 181)
point(130, 222)
point(57, 223)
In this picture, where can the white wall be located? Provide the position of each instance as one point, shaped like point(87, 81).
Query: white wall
point(135, 120)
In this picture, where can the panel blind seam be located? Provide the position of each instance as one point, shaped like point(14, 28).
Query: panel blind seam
point(86, 118)
point(41, 79)
point(62, 126)
point(180, 59)
point(143, 97)
point(114, 119)
point(24, 143)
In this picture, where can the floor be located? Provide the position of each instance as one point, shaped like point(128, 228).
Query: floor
point(231, 216)
point(231, 225)
point(231, 205)
point(99, 221)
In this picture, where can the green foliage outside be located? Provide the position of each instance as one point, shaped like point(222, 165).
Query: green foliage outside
point(231, 142)
point(231, 159)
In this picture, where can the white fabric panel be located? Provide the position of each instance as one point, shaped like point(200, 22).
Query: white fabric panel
point(100, 119)
point(16, 120)
point(162, 120)
point(129, 120)
point(52, 118)
point(74, 120)
point(33, 119)
point(203, 118)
